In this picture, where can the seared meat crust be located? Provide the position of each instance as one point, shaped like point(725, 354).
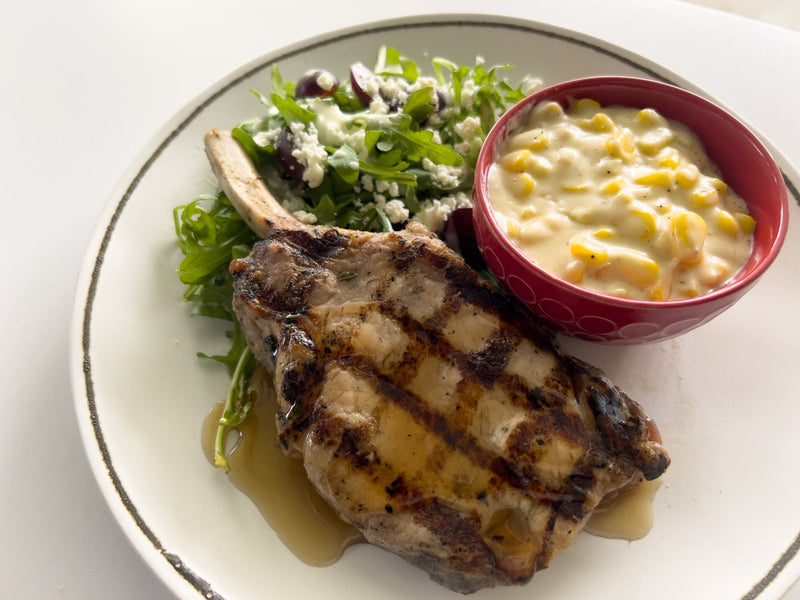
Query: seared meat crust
point(430, 410)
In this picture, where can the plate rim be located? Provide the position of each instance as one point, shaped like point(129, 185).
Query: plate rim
point(167, 565)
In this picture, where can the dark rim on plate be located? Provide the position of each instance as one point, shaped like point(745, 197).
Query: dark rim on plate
point(422, 22)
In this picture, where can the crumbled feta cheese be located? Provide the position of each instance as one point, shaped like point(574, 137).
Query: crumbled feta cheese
point(444, 176)
point(396, 211)
point(423, 82)
point(468, 91)
point(378, 107)
point(467, 128)
point(266, 138)
point(356, 141)
point(309, 153)
point(305, 217)
point(371, 87)
point(463, 148)
point(368, 183)
point(325, 80)
point(395, 90)
point(435, 212)
point(381, 186)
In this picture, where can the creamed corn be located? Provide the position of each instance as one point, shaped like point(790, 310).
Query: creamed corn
point(619, 200)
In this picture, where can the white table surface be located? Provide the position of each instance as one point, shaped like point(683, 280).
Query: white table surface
point(83, 87)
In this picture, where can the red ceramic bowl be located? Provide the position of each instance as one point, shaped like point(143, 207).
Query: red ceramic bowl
point(746, 166)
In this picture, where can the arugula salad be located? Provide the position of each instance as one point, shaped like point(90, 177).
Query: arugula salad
point(378, 148)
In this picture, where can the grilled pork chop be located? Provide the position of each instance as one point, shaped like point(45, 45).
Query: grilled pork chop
point(430, 410)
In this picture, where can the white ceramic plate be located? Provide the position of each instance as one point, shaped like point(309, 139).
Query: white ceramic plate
point(726, 520)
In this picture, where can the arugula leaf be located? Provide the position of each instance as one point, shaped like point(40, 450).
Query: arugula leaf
point(290, 110)
point(325, 210)
point(244, 139)
point(209, 232)
point(371, 139)
point(420, 145)
point(389, 57)
point(419, 105)
point(345, 161)
point(388, 174)
point(277, 80)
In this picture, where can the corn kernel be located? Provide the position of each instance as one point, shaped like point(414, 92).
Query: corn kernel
point(654, 141)
point(687, 176)
point(602, 122)
point(705, 197)
point(613, 186)
point(670, 159)
point(619, 292)
point(540, 166)
point(657, 292)
point(715, 273)
point(718, 185)
point(688, 236)
point(540, 140)
point(577, 187)
point(649, 115)
point(581, 214)
point(603, 234)
point(620, 145)
point(664, 177)
point(512, 228)
point(527, 213)
point(585, 104)
point(637, 268)
point(589, 251)
point(534, 231)
point(547, 111)
point(574, 271)
point(521, 184)
point(727, 222)
point(517, 161)
point(532, 139)
point(746, 223)
point(691, 291)
point(663, 207)
point(648, 218)
point(625, 198)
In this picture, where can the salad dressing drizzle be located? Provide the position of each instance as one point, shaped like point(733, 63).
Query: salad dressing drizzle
point(278, 486)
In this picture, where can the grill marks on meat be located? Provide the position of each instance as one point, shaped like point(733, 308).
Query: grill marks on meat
point(430, 410)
